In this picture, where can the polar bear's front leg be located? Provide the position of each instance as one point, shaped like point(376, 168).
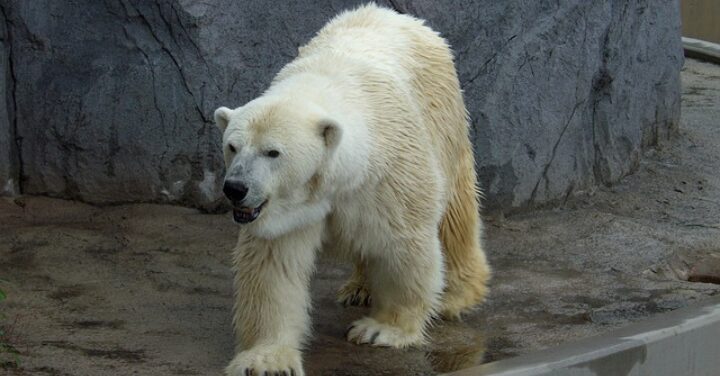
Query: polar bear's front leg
point(406, 283)
point(272, 302)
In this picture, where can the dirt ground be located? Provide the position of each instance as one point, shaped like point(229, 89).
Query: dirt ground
point(146, 289)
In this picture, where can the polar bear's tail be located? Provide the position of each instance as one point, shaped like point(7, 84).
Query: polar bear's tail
point(467, 271)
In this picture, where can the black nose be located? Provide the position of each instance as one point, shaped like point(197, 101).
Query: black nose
point(235, 190)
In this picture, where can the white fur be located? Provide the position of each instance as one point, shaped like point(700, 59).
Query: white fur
point(372, 135)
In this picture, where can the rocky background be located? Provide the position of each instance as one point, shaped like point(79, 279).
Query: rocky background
point(110, 101)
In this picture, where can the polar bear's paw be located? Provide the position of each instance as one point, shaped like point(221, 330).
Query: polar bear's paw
point(266, 360)
point(354, 293)
point(369, 331)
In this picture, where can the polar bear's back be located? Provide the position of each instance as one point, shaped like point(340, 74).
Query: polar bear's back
point(368, 32)
point(418, 61)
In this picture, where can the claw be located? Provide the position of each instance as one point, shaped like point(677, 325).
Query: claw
point(292, 372)
point(248, 372)
point(374, 337)
point(347, 332)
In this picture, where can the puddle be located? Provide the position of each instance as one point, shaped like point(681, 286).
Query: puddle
point(97, 324)
point(456, 347)
point(117, 353)
point(64, 293)
point(456, 358)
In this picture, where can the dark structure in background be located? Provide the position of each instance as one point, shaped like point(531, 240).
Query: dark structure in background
point(111, 100)
point(699, 19)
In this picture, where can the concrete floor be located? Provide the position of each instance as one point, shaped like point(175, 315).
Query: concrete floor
point(146, 289)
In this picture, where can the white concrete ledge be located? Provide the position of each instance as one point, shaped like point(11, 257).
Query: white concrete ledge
point(685, 342)
point(701, 49)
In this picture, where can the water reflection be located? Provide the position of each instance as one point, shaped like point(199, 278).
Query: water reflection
point(456, 349)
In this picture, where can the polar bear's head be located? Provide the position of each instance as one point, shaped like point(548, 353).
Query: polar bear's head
point(275, 150)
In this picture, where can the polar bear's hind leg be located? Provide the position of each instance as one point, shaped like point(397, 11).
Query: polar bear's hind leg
point(406, 294)
point(355, 292)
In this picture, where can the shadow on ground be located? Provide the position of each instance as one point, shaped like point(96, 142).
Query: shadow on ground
point(146, 289)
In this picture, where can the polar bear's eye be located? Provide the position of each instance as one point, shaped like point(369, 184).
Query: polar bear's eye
point(272, 153)
point(232, 148)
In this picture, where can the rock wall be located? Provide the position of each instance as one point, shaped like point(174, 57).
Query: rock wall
point(111, 100)
point(9, 164)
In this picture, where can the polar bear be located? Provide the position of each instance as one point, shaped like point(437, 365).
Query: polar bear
point(360, 148)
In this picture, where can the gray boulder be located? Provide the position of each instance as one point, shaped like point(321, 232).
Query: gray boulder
point(111, 101)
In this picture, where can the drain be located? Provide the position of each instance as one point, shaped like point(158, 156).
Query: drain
point(701, 266)
point(706, 270)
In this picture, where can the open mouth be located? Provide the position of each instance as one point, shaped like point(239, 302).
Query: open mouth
point(245, 214)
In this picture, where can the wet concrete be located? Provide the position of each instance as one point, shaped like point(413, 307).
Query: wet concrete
point(146, 289)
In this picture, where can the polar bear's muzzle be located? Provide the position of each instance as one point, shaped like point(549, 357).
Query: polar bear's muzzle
point(244, 214)
point(236, 192)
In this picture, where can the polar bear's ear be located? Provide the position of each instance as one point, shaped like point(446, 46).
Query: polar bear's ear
point(331, 133)
point(222, 117)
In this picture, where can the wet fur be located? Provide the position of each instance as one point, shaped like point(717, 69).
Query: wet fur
point(394, 189)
